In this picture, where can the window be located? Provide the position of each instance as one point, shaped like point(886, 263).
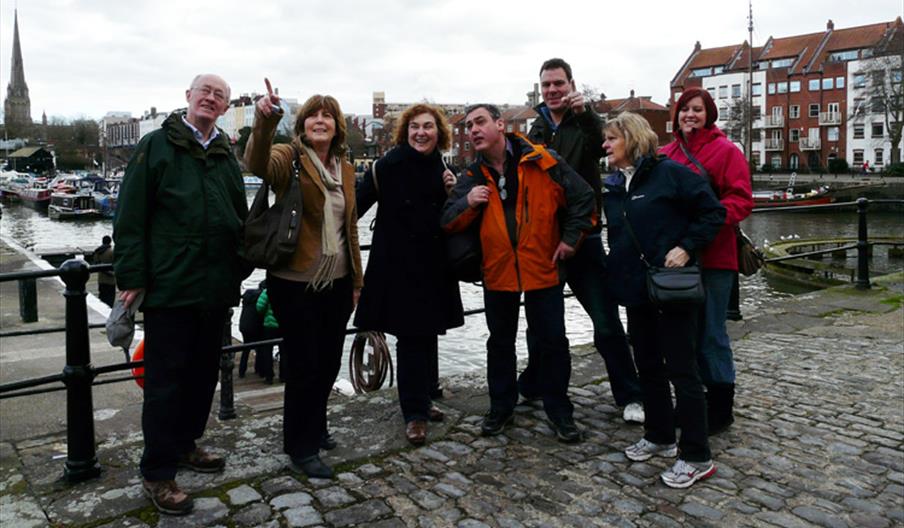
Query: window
point(757, 113)
point(878, 130)
point(827, 84)
point(467, 145)
point(896, 76)
point(723, 92)
point(782, 87)
point(859, 109)
point(879, 157)
point(771, 88)
point(508, 128)
point(757, 89)
point(813, 85)
point(794, 111)
point(794, 86)
point(718, 69)
point(832, 134)
point(776, 161)
point(839, 82)
point(814, 110)
point(858, 131)
point(756, 136)
point(668, 127)
point(677, 96)
point(858, 157)
point(712, 91)
point(782, 63)
point(701, 72)
point(839, 56)
point(876, 104)
point(859, 80)
point(878, 77)
point(794, 135)
point(735, 90)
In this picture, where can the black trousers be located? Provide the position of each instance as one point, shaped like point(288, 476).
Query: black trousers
point(181, 364)
point(665, 352)
point(416, 358)
point(545, 311)
point(263, 354)
point(313, 328)
point(106, 293)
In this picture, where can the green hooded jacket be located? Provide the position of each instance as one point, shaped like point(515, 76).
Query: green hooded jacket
point(179, 221)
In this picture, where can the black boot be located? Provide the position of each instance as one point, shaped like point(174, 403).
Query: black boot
point(719, 406)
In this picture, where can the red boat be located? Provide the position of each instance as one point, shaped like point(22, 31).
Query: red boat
point(789, 199)
point(36, 194)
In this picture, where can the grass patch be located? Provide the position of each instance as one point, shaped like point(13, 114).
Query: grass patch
point(895, 301)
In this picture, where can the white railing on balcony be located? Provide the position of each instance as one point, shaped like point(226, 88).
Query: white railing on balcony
point(808, 143)
point(774, 121)
point(775, 144)
point(829, 118)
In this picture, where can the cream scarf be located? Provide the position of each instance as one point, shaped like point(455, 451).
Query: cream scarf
point(332, 180)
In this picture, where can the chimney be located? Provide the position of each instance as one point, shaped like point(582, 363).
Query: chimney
point(830, 26)
point(697, 46)
point(632, 94)
point(153, 112)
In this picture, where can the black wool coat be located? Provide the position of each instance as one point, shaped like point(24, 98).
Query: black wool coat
point(408, 288)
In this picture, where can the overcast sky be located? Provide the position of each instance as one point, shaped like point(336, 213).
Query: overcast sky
point(88, 57)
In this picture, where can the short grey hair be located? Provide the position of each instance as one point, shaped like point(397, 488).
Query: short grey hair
point(194, 83)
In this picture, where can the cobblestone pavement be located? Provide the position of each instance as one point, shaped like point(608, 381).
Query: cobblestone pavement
point(818, 441)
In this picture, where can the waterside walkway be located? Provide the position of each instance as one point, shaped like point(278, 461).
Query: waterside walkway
point(818, 441)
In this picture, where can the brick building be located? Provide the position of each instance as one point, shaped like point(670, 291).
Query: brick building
point(657, 115)
point(811, 94)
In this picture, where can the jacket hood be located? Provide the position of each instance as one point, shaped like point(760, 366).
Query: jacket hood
point(643, 164)
point(699, 136)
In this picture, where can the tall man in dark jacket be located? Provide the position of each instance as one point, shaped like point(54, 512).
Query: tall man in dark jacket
point(568, 125)
point(533, 210)
point(177, 231)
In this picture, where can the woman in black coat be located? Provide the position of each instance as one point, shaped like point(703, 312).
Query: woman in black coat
point(408, 289)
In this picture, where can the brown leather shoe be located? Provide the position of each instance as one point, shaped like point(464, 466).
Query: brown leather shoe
point(201, 461)
point(167, 497)
point(416, 432)
point(435, 414)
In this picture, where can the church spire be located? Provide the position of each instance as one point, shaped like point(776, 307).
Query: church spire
point(17, 106)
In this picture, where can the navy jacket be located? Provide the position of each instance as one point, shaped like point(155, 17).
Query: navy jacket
point(668, 205)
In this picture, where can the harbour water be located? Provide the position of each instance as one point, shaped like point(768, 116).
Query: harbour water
point(463, 349)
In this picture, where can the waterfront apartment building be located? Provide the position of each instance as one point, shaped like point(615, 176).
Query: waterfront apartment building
point(816, 97)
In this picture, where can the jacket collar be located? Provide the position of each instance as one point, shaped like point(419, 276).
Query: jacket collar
point(180, 135)
point(698, 137)
point(643, 164)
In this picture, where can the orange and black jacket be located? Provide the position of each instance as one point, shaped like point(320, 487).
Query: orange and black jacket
point(554, 204)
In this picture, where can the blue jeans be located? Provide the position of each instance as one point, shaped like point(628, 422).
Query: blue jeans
point(586, 276)
point(545, 311)
point(714, 356)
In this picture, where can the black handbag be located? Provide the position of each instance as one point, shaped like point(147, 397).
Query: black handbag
point(464, 253)
point(271, 231)
point(670, 287)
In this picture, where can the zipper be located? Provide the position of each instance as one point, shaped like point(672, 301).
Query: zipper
point(293, 223)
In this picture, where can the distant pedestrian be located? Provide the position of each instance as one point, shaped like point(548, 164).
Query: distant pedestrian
point(263, 355)
point(533, 211)
point(251, 325)
point(865, 167)
point(106, 281)
point(409, 289)
point(177, 230)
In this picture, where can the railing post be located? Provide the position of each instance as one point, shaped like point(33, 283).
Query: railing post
point(227, 363)
point(81, 458)
point(734, 301)
point(862, 282)
point(28, 300)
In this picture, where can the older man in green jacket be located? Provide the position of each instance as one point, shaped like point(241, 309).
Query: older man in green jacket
point(178, 231)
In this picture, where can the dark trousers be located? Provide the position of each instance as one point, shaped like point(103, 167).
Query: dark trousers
point(586, 276)
point(545, 311)
point(106, 293)
point(313, 328)
point(415, 365)
point(263, 355)
point(665, 351)
point(181, 363)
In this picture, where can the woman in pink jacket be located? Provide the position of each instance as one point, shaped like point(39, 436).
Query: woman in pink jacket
point(701, 146)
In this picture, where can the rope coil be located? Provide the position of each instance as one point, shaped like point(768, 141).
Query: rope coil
point(368, 365)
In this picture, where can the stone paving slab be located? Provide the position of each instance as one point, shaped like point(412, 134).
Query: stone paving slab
point(818, 441)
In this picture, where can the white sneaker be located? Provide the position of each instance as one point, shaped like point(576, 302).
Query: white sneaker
point(684, 473)
point(645, 450)
point(633, 413)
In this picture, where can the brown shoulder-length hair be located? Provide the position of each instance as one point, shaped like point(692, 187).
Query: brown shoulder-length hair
point(331, 105)
point(444, 133)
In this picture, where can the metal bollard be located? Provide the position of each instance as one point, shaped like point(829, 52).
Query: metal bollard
point(28, 300)
point(81, 458)
point(227, 363)
point(862, 282)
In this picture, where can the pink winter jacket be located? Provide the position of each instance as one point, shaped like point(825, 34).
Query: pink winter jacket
point(730, 177)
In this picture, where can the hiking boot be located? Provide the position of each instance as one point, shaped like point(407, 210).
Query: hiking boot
point(313, 467)
point(201, 461)
point(566, 430)
point(633, 413)
point(645, 450)
point(167, 497)
point(683, 474)
point(495, 421)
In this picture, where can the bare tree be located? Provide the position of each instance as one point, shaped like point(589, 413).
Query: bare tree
point(592, 94)
point(879, 90)
point(739, 113)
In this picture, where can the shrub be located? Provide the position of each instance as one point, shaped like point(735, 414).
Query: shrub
point(838, 165)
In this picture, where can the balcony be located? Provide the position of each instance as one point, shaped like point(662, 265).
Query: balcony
point(774, 121)
point(775, 144)
point(807, 143)
point(829, 118)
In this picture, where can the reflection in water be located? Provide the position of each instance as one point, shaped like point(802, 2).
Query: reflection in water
point(463, 349)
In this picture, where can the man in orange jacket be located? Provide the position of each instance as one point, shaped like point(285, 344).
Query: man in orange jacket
point(534, 211)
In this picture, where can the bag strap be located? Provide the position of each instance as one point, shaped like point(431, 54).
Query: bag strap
point(643, 257)
point(373, 173)
point(695, 161)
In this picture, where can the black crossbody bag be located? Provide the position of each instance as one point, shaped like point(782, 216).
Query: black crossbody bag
point(271, 231)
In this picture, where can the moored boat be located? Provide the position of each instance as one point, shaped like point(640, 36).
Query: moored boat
point(70, 206)
point(787, 198)
point(36, 194)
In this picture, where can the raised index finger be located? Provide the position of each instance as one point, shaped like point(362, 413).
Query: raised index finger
point(269, 88)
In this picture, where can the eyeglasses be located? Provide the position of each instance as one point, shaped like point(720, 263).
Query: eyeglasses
point(205, 90)
point(502, 192)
